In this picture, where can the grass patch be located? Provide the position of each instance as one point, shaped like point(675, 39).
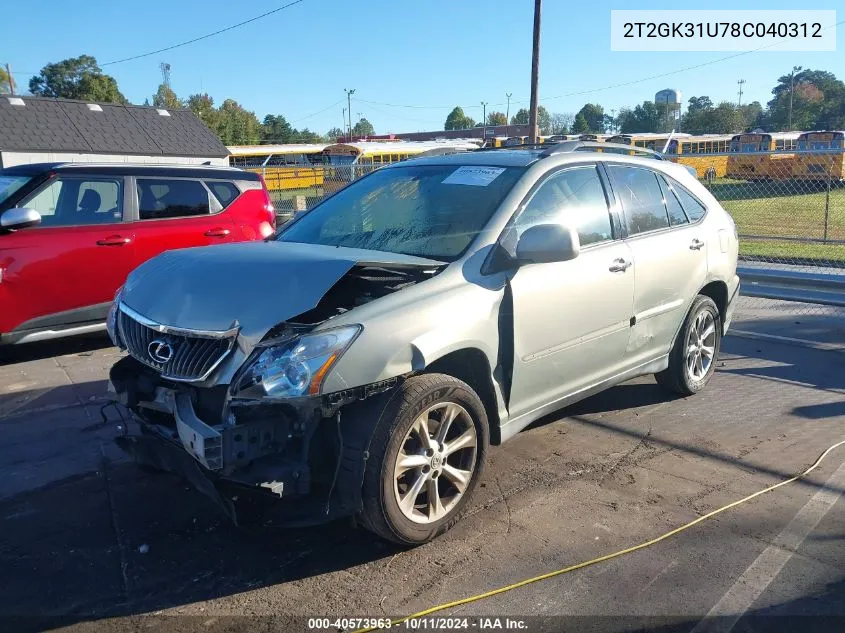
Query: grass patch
point(783, 208)
point(787, 251)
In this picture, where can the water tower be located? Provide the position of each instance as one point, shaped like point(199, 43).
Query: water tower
point(668, 103)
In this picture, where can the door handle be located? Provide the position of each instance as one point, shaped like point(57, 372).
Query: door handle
point(114, 240)
point(619, 265)
point(696, 245)
point(217, 232)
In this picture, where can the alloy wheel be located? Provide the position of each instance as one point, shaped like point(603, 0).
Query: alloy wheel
point(435, 463)
point(701, 345)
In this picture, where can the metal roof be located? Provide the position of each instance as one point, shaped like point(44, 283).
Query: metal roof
point(38, 124)
point(140, 169)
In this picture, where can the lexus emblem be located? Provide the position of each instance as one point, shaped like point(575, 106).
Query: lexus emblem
point(160, 351)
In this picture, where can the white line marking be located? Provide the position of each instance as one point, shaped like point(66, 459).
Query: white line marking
point(776, 338)
point(754, 580)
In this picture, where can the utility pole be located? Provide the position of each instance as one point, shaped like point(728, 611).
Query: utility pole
point(483, 113)
point(795, 69)
point(344, 120)
point(535, 72)
point(11, 79)
point(739, 100)
point(349, 94)
point(508, 111)
point(613, 120)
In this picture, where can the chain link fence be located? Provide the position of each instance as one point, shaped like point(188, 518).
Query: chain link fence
point(789, 208)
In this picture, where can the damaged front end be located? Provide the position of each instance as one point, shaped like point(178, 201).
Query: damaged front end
point(269, 434)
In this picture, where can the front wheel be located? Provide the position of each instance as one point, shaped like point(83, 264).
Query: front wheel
point(426, 457)
point(692, 360)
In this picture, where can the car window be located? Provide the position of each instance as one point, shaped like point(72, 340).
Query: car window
point(695, 210)
point(673, 206)
point(431, 211)
point(78, 202)
point(641, 197)
point(573, 195)
point(158, 198)
point(225, 192)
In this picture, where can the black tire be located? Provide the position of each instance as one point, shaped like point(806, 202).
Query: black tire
point(380, 512)
point(678, 378)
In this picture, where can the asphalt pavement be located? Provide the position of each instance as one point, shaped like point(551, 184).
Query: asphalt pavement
point(91, 543)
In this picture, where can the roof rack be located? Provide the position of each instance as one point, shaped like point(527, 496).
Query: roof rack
point(562, 147)
point(615, 148)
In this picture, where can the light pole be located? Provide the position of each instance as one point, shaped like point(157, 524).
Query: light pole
point(795, 69)
point(508, 113)
point(349, 94)
point(483, 119)
point(535, 71)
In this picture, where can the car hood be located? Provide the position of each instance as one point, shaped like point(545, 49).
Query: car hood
point(256, 284)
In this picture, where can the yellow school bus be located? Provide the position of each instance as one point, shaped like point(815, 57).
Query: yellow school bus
point(283, 167)
point(344, 162)
point(706, 153)
point(754, 158)
point(820, 165)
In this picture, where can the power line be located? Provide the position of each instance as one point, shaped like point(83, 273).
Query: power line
point(203, 37)
point(317, 112)
point(611, 86)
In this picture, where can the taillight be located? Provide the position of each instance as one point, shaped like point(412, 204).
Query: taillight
point(268, 203)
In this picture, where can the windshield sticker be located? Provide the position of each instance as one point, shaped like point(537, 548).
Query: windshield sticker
point(476, 176)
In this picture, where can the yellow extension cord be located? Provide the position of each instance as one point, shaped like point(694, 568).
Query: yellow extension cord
point(600, 559)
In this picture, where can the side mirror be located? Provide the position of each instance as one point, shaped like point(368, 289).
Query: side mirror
point(545, 243)
point(19, 218)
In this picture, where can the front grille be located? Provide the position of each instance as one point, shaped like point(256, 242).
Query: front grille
point(191, 356)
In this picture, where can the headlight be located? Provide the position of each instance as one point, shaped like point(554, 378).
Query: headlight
point(295, 367)
point(111, 319)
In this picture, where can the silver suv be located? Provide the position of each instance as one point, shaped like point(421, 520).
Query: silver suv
point(361, 361)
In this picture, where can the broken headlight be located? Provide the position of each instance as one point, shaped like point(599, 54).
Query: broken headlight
point(294, 367)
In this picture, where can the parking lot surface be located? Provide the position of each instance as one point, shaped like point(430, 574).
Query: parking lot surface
point(91, 541)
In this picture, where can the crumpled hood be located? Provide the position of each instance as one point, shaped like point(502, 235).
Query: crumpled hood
point(257, 284)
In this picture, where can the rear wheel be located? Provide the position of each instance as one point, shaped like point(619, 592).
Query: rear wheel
point(692, 360)
point(426, 456)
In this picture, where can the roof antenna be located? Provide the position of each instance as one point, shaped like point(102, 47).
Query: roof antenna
point(668, 140)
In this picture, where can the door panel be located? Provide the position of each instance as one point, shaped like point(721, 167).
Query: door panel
point(571, 319)
point(670, 255)
point(64, 266)
point(571, 325)
point(177, 213)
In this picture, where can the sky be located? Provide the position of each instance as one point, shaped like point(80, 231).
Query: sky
point(409, 62)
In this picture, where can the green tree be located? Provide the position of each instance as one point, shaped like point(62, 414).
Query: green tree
point(334, 133)
point(580, 124)
point(276, 129)
point(497, 118)
point(544, 119)
point(307, 136)
point(5, 82)
point(166, 98)
point(594, 115)
point(203, 106)
point(237, 126)
point(76, 78)
point(363, 128)
point(818, 101)
point(643, 118)
point(697, 104)
point(457, 120)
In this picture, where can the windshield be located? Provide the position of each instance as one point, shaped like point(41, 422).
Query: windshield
point(10, 184)
point(432, 211)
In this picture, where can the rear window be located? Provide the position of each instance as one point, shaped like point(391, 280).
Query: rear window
point(225, 192)
point(159, 199)
point(695, 210)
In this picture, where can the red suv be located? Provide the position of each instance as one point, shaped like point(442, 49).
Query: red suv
point(71, 233)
